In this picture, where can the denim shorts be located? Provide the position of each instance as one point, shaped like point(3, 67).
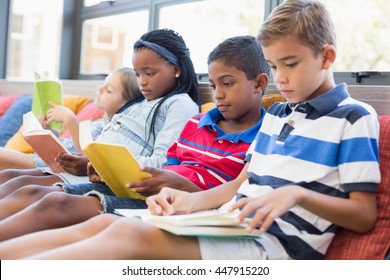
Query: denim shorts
point(108, 199)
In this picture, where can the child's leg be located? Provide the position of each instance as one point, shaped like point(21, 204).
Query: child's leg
point(57, 209)
point(48, 239)
point(16, 183)
point(128, 239)
point(9, 174)
point(13, 159)
point(23, 197)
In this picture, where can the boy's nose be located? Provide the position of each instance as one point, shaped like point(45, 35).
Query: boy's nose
point(218, 94)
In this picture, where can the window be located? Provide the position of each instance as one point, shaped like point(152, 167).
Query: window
point(107, 42)
point(34, 41)
point(97, 36)
point(204, 24)
point(362, 38)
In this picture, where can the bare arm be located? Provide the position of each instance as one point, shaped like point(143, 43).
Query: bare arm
point(170, 201)
point(63, 114)
point(358, 212)
point(161, 178)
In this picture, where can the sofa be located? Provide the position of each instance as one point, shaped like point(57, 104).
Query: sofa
point(373, 245)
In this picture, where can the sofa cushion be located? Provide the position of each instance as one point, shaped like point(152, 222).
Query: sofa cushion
point(268, 100)
point(12, 119)
point(271, 98)
point(5, 103)
point(375, 244)
point(75, 102)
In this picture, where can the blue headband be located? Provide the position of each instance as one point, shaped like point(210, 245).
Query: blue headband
point(159, 49)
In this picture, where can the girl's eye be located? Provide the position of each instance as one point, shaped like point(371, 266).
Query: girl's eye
point(227, 84)
point(212, 86)
point(292, 65)
point(150, 74)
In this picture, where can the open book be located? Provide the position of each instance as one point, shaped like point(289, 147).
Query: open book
point(45, 91)
point(115, 164)
point(43, 141)
point(203, 223)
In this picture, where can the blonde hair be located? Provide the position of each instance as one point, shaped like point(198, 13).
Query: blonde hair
point(307, 21)
point(129, 83)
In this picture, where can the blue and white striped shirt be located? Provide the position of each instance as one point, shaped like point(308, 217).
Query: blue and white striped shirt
point(329, 145)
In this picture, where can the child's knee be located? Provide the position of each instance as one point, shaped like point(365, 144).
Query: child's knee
point(102, 221)
point(29, 192)
point(52, 203)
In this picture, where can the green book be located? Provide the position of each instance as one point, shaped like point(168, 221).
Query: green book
point(45, 91)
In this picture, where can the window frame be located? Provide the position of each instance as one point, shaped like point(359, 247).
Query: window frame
point(74, 14)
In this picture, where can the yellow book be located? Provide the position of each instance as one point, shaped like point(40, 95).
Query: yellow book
point(114, 163)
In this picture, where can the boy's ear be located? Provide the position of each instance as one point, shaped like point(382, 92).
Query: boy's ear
point(261, 82)
point(329, 56)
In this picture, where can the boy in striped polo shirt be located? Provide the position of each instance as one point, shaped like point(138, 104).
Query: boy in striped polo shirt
point(312, 167)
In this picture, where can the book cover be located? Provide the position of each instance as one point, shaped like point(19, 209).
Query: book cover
point(202, 223)
point(114, 163)
point(43, 141)
point(45, 91)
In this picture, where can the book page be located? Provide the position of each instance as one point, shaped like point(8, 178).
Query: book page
point(202, 223)
point(85, 134)
point(30, 123)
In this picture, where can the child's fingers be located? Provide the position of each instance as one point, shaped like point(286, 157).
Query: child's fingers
point(151, 170)
point(261, 215)
point(160, 204)
point(52, 103)
point(153, 206)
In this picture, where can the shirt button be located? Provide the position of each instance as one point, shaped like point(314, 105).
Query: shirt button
point(220, 141)
point(291, 123)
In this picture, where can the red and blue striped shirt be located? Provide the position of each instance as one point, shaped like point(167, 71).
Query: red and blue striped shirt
point(208, 156)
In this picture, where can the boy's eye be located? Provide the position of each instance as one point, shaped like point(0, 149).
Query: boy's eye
point(227, 84)
point(212, 86)
point(150, 74)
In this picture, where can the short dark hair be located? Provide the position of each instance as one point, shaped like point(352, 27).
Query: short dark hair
point(243, 53)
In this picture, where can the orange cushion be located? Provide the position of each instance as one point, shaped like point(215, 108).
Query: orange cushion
point(73, 102)
point(269, 99)
point(5, 103)
point(375, 244)
point(207, 106)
